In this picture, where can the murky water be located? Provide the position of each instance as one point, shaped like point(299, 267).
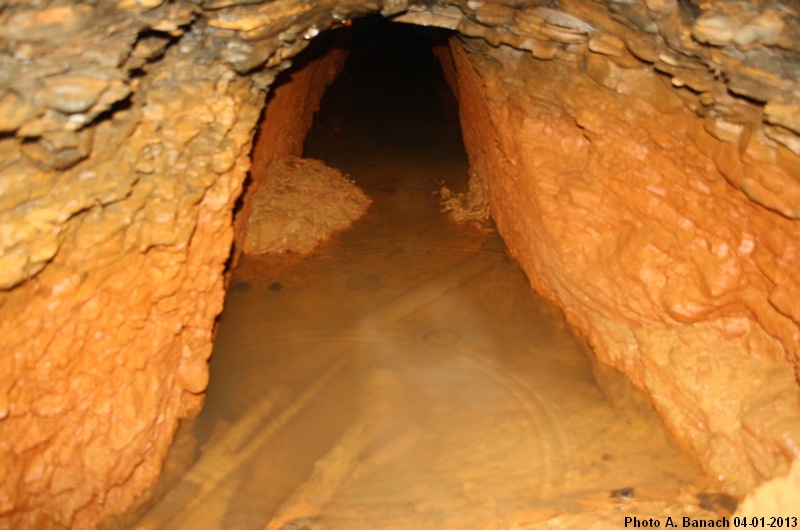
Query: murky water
point(405, 375)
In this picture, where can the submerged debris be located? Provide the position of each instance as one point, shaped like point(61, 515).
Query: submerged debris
point(304, 523)
point(721, 503)
point(622, 493)
point(300, 204)
point(242, 286)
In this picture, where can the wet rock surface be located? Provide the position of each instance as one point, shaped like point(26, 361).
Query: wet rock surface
point(126, 130)
point(618, 211)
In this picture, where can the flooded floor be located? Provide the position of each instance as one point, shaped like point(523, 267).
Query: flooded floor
point(405, 375)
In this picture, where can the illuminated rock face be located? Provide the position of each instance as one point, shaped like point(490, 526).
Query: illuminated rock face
point(106, 328)
point(641, 161)
point(617, 212)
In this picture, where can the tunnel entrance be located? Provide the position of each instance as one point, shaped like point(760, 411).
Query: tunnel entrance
point(404, 375)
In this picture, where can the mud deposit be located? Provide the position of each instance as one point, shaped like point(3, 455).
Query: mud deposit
point(300, 203)
point(405, 375)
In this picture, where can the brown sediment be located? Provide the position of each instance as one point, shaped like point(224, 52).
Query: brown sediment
point(298, 204)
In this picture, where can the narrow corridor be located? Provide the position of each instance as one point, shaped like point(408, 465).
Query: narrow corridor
point(405, 375)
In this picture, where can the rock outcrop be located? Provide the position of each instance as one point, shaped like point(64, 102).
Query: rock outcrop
point(640, 157)
point(119, 178)
point(617, 212)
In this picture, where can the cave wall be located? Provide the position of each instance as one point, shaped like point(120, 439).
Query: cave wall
point(289, 112)
point(125, 148)
point(125, 133)
point(642, 167)
point(641, 193)
point(115, 238)
point(616, 211)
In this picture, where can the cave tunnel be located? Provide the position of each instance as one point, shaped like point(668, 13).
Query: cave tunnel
point(385, 265)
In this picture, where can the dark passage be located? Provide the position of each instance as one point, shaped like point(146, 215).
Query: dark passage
point(391, 95)
point(404, 375)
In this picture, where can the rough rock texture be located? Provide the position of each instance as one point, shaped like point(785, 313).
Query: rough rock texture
point(116, 257)
point(668, 230)
point(126, 136)
point(126, 131)
point(300, 204)
point(616, 209)
point(292, 102)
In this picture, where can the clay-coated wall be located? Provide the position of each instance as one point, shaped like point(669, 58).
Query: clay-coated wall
point(614, 204)
point(105, 348)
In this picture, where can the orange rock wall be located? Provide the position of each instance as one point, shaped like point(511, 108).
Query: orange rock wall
point(105, 349)
point(616, 205)
point(125, 138)
point(290, 108)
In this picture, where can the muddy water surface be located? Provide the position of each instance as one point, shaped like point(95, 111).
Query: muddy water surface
point(405, 375)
